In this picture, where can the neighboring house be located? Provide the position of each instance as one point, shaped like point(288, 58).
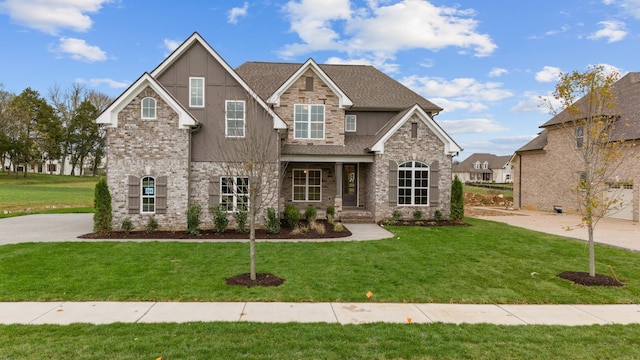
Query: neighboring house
point(346, 136)
point(45, 167)
point(484, 168)
point(546, 167)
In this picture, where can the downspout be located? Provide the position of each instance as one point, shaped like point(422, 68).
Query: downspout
point(520, 181)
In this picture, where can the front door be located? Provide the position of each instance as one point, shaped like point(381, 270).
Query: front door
point(350, 185)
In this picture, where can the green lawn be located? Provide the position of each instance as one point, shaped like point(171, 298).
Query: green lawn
point(39, 193)
point(488, 262)
point(317, 341)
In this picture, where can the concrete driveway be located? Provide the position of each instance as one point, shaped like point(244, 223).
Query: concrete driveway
point(44, 228)
point(613, 232)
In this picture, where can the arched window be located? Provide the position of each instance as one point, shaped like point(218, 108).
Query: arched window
point(148, 108)
point(476, 165)
point(413, 183)
point(148, 194)
point(485, 165)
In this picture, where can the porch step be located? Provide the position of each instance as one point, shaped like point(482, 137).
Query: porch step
point(356, 216)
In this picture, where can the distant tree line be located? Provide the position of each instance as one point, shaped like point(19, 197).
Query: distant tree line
point(61, 129)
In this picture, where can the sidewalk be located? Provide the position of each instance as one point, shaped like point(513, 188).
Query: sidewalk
point(64, 313)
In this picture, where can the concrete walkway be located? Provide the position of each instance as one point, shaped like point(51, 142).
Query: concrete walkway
point(64, 313)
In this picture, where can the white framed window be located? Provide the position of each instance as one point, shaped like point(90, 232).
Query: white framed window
point(485, 165)
point(196, 92)
point(235, 115)
point(579, 137)
point(234, 193)
point(476, 165)
point(413, 183)
point(148, 108)
point(350, 123)
point(308, 121)
point(148, 194)
point(307, 185)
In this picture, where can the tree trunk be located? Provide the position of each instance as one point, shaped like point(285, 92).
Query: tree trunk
point(252, 241)
point(592, 251)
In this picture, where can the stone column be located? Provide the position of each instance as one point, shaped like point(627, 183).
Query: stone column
point(338, 199)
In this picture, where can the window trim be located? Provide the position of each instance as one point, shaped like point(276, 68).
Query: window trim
point(146, 196)
point(226, 118)
point(413, 169)
point(309, 122)
point(191, 98)
point(155, 108)
point(579, 136)
point(234, 192)
point(346, 123)
point(306, 185)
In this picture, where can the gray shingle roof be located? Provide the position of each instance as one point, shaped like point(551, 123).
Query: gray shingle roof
point(627, 106)
point(538, 143)
point(353, 145)
point(494, 162)
point(366, 86)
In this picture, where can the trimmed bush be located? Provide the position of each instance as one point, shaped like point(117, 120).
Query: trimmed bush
point(337, 227)
point(241, 220)
point(292, 215)
point(311, 213)
point(271, 221)
point(152, 225)
point(193, 219)
point(102, 206)
point(220, 221)
point(127, 226)
point(396, 215)
point(457, 200)
point(437, 215)
point(417, 214)
point(331, 214)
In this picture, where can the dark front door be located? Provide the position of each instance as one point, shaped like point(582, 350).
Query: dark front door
point(350, 185)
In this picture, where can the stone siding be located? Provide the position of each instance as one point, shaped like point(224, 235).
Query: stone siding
point(328, 192)
point(400, 147)
point(140, 147)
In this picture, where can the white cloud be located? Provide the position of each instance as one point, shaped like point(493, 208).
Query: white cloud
point(629, 7)
point(53, 15)
point(96, 82)
point(80, 50)
point(548, 74)
point(611, 30)
point(537, 103)
point(496, 72)
point(382, 30)
point(471, 126)
point(170, 45)
point(461, 93)
point(237, 12)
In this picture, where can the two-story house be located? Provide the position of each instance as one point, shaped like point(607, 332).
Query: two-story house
point(483, 167)
point(346, 136)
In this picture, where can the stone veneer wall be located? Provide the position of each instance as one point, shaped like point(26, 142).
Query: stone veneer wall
point(400, 147)
point(328, 192)
point(156, 148)
point(321, 94)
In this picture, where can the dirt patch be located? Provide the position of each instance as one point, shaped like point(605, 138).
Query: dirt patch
point(473, 199)
point(583, 278)
point(262, 279)
point(285, 233)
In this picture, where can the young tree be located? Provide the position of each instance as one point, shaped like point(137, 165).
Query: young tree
point(102, 207)
point(457, 199)
point(588, 119)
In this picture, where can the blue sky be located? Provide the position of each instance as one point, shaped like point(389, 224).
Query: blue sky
point(485, 62)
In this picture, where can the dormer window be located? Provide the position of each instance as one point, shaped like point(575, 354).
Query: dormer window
point(476, 165)
point(148, 108)
point(196, 92)
point(350, 123)
point(485, 165)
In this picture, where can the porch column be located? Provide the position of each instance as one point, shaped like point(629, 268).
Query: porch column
point(338, 199)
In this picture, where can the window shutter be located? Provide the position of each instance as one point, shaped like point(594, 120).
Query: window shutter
point(393, 183)
point(161, 195)
point(214, 191)
point(434, 184)
point(134, 195)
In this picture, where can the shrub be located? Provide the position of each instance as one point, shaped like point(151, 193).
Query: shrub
point(272, 221)
point(220, 221)
point(331, 214)
point(337, 227)
point(152, 225)
point(437, 215)
point(320, 228)
point(311, 213)
point(457, 200)
point(389, 222)
point(127, 226)
point(241, 220)
point(102, 206)
point(417, 214)
point(292, 215)
point(193, 219)
point(396, 215)
point(419, 223)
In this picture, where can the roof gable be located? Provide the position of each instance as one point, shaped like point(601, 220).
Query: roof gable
point(397, 121)
point(278, 123)
point(343, 99)
point(109, 116)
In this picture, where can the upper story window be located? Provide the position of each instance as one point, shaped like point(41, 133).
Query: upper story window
point(485, 165)
point(308, 121)
point(350, 123)
point(196, 92)
point(148, 108)
point(148, 194)
point(413, 183)
point(307, 185)
point(476, 165)
point(235, 114)
point(579, 137)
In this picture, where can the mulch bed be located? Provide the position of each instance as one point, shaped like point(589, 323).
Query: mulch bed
point(583, 278)
point(427, 223)
point(262, 279)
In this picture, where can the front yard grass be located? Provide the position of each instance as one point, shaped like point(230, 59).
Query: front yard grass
point(40, 193)
point(488, 262)
point(317, 341)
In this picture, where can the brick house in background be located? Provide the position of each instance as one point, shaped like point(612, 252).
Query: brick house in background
point(346, 136)
point(482, 167)
point(546, 167)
